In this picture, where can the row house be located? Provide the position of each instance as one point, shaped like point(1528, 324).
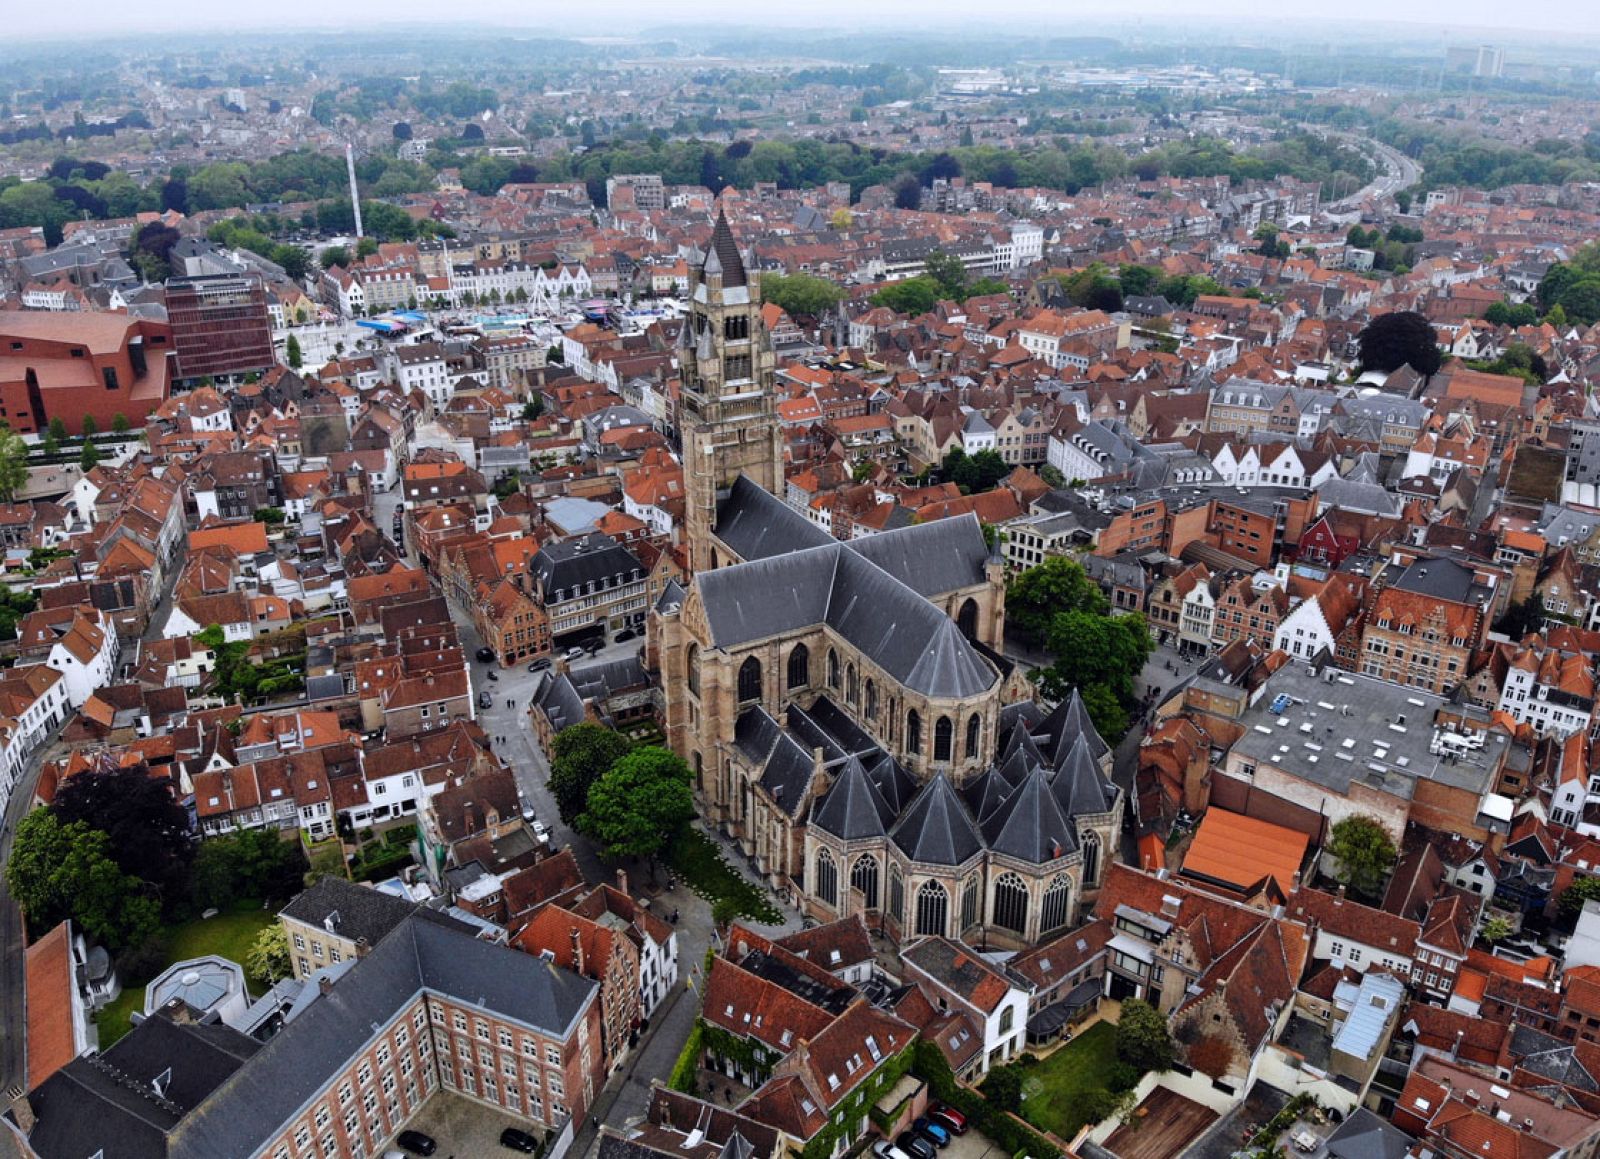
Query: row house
point(1426, 622)
point(1550, 689)
point(1244, 407)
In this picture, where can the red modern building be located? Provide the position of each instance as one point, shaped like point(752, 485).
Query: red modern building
point(220, 325)
point(70, 365)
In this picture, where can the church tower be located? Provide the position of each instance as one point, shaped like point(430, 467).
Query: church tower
point(728, 414)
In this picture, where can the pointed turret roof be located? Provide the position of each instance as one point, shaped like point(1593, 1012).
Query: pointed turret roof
point(1079, 785)
point(1069, 721)
point(1030, 825)
point(937, 829)
point(722, 255)
point(986, 793)
point(853, 807)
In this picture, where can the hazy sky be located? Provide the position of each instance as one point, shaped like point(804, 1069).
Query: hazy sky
point(1244, 19)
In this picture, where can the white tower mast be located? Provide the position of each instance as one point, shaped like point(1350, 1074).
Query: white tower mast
point(355, 198)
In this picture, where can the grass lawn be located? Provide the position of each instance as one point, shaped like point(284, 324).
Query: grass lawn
point(228, 934)
point(1053, 1090)
point(698, 859)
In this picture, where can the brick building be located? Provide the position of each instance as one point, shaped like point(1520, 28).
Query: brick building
point(220, 325)
point(74, 366)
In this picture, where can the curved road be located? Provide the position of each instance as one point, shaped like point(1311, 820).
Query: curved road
point(1400, 171)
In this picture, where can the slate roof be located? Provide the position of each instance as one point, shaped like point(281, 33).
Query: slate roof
point(900, 631)
point(786, 765)
point(722, 255)
point(362, 912)
point(930, 558)
point(853, 807)
point(1065, 724)
point(755, 524)
point(425, 952)
point(937, 829)
point(1079, 785)
point(1030, 824)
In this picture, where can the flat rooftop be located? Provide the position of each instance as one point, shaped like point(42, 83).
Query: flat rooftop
point(1336, 727)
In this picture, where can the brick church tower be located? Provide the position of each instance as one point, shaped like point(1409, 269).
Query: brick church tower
point(728, 413)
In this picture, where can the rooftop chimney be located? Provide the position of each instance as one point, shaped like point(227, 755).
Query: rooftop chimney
point(577, 950)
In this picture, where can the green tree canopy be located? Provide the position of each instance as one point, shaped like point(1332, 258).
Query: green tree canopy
point(581, 755)
point(801, 293)
point(1035, 596)
point(1003, 1088)
point(291, 352)
point(1363, 853)
point(268, 959)
point(1142, 1037)
point(61, 870)
point(148, 832)
point(1403, 338)
point(13, 463)
point(1580, 891)
point(637, 807)
point(913, 296)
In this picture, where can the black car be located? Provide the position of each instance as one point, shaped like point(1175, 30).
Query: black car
point(625, 634)
point(485, 655)
point(592, 646)
point(416, 1142)
point(495, 676)
point(915, 1145)
point(518, 1141)
point(539, 665)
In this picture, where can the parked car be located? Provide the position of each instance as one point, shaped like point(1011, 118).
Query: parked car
point(931, 1131)
point(539, 665)
point(949, 1118)
point(915, 1145)
point(541, 831)
point(573, 654)
point(887, 1150)
point(625, 634)
point(518, 1141)
point(416, 1142)
point(485, 655)
point(485, 700)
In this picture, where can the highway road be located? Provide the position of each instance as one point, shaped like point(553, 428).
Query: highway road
point(1399, 171)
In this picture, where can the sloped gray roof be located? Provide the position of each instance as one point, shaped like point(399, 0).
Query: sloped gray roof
point(930, 558)
point(890, 623)
point(1065, 724)
point(985, 793)
point(755, 524)
point(1079, 785)
point(853, 808)
point(937, 829)
point(1030, 825)
point(425, 952)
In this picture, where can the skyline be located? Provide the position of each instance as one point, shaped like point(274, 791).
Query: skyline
point(1453, 23)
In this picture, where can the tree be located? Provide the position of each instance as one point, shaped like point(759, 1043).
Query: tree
point(581, 755)
point(1034, 597)
point(1522, 617)
point(907, 191)
point(949, 272)
point(58, 428)
point(1505, 314)
point(840, 219)
point(335, 255)
point(64, 870)
point(1403, 338)
point(148, 831)
point(912, 296)
point(1142, 1038)
point(13, 463)
point(51, 446)
point(291, 353)
point(272, 516)
point(801, 293)
point(1363, 854)
point(1096, 649)
point(267, 959)
point(1580, 891)
point(119, 423)
point(1496, 929)
point(90, 427)
point(1003, 1088)
point(89, 458)
point(640, 804)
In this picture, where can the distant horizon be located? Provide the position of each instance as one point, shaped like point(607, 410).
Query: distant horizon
point(1461, 22)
